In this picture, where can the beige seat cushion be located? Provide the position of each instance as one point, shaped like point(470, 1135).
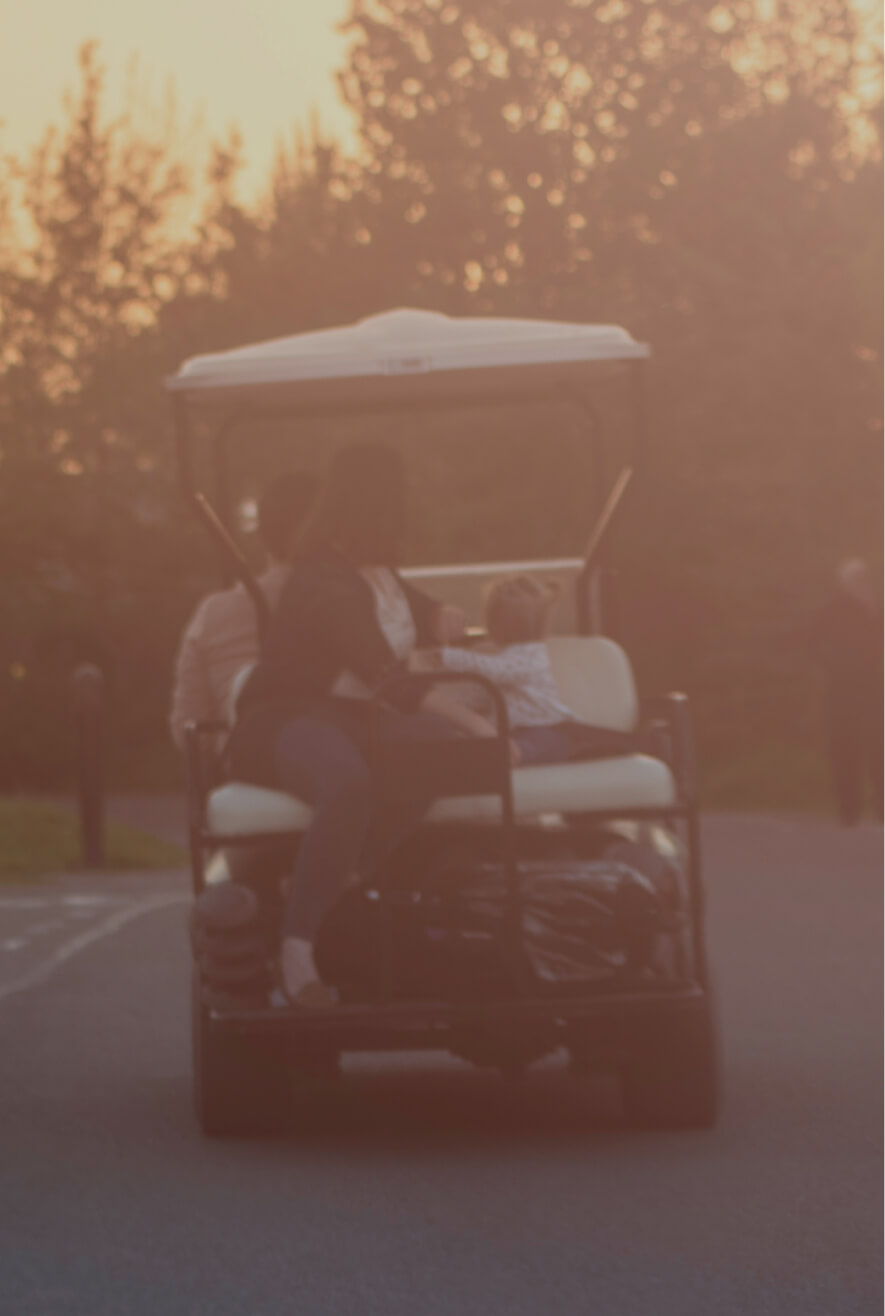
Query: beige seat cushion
point(632, 782)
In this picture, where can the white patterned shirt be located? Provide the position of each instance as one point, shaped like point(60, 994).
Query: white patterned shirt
point(523, 674)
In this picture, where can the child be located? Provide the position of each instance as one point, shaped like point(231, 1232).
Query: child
point(543, 728)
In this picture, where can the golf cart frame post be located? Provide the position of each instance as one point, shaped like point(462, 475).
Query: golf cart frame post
point(397, 385)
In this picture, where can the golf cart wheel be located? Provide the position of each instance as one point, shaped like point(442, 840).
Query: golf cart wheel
point(672, 1079)
point(240, 1090)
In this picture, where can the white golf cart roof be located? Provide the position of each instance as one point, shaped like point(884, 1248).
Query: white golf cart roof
point(408, 355)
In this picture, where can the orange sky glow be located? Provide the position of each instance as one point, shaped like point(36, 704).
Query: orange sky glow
point(259, 64)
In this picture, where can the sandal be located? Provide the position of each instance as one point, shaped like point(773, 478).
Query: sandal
point(301, 986)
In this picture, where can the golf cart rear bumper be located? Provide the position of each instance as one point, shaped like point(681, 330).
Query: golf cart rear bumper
point(427, 1025)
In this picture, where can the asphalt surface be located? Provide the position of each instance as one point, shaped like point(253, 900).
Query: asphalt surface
point(430, 1189)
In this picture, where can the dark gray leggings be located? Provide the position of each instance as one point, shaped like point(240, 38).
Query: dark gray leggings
point(322, 766)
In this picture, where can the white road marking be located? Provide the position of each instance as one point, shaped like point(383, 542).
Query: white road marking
point(13, 943)
point(87, 898)
point(23, 902)
point(107, 928)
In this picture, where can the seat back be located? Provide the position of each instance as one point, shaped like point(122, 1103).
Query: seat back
point(595, 679)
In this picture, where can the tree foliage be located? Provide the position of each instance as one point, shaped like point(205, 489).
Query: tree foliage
point(702, 173)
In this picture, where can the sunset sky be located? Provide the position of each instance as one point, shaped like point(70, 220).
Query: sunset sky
point(261, 64)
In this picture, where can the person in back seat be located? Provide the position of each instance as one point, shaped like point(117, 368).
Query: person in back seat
point(344, 627)
point(543, 728)
point(221, 639)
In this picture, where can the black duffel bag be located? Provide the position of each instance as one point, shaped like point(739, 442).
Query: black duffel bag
point(587, 925)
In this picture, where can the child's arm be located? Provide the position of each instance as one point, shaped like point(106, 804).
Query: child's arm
point(493, 666)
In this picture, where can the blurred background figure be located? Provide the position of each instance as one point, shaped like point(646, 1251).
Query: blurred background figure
point(222, 636)
point(848, 644)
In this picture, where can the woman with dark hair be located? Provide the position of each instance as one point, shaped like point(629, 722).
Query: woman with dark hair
point(344, 624)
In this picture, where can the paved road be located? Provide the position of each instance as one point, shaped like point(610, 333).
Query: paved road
point(431, 1190)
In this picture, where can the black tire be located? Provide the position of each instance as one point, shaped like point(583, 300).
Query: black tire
point(240, 1089)
point(672, 1079)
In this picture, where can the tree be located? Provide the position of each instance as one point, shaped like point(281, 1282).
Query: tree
point(97, 257)
point(93, 247)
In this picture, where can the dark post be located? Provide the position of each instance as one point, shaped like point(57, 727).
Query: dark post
point(88, 687)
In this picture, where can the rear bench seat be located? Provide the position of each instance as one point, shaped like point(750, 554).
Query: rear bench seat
point(595, 679)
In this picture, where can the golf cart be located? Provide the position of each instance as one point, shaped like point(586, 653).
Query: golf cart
point(540, 908)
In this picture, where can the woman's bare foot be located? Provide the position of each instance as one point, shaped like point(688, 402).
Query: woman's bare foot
point(299, 975)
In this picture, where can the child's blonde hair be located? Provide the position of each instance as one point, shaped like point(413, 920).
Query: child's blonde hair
point(518, 609)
